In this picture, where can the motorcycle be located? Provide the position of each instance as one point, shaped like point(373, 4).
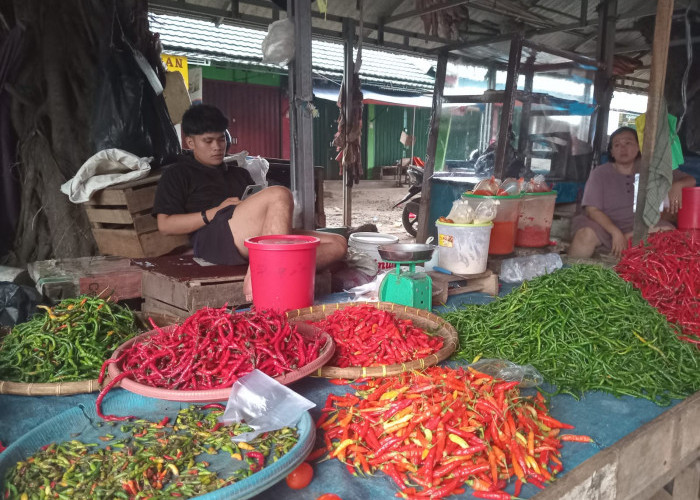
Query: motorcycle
point(409, 216)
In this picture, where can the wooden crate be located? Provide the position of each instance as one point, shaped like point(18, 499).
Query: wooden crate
point(448, 285)
point(122, 223)
point(64, 278)
point(177, 286)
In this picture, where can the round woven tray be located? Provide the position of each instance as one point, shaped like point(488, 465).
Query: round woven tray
point(69, 388)
point(421, 318)
point(211, 395)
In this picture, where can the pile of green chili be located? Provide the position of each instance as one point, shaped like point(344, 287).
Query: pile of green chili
point(583, 328)
point(153, 460)
point(68, 342)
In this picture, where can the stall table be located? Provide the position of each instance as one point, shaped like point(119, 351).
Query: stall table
point(639, 446)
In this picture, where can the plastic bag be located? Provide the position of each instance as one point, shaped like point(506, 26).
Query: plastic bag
point(130, 111)
point(519, 269)
point(537, 184)
point(278, 45)
point(256, 166)
point(527, 375)
point(264, 404)
point(17, 303)
point(103, 169)
point(461, 213)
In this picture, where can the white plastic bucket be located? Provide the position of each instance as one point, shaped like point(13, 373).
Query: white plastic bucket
point(369, 243)
point(464, 248)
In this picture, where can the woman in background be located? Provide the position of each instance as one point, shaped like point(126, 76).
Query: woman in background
point(608, 199)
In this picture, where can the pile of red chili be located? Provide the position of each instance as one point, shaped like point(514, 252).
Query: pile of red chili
point(665, 269)
point(212, 349)
point(436, 430)
point(367, 336)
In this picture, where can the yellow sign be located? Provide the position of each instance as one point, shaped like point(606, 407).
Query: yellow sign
point(176, 63)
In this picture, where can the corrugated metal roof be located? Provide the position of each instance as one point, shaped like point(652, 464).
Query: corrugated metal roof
point(238, 44)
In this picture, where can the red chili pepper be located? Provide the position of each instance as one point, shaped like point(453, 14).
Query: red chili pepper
point(576, 438)
point(492, 495)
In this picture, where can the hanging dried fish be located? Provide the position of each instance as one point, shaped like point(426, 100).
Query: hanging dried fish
point(347, 139)
point(450, 22)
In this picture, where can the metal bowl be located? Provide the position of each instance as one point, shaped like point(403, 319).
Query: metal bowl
point(406, 252)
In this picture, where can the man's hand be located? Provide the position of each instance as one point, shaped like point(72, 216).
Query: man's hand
point(234, 200)
point(619, 242)
point(675, 195)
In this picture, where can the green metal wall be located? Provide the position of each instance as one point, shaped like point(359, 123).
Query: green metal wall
point(464, 127)
point(389, 122)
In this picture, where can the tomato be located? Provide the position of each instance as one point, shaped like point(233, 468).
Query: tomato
point(329, 496)
point(300, 477)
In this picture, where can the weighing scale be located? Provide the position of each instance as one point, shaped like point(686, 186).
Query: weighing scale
point(407, 287)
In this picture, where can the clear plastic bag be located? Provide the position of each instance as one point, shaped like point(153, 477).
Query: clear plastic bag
point(264, 404)
point(461, 213)
point(278, 45)
point(525, 268)
point(527, 375)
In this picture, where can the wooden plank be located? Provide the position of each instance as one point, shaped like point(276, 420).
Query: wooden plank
point(119, 285)
point(123, 242)
point(151, 178)
point(145, 223)
point(215, 294)
point(165, 289)
point(155, 244)
point(486, 282)
point(140, 199)
point(687, 483)
point(108, 197)
point(155, 306)
point(109, 215)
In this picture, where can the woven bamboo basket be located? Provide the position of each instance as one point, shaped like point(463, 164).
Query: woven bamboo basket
point(69, 388)
point(421, 318)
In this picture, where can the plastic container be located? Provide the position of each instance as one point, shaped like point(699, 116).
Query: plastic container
point(369, 243)
point(535, 219)
point(689, 214)
point(282, 270)
point(505, 225)
point(463, 247)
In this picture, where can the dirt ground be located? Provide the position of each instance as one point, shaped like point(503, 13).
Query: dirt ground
point(372, 203)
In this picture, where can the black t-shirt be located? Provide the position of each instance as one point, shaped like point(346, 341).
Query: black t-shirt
point(187, 186)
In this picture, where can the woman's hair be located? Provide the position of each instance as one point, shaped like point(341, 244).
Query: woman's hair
point(203, 119)
point(615, 134)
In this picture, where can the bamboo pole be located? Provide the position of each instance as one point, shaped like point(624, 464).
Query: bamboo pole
point(657, 80)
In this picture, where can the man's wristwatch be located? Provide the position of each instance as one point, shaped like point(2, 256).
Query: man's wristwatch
point(205, 218)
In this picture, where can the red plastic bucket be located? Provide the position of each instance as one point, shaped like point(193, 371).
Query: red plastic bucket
point(689, 214)
point(282, 270)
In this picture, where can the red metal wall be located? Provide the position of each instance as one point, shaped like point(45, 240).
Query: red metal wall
point(258, 116)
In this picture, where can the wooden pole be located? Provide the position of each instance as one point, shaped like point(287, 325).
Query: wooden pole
point(349, 37)
point(657, 80)
point(516, 50)
point(431, 149)
point(301, 126)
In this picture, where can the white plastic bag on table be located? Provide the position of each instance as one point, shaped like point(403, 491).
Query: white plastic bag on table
point(486, 211)
point(278, 45)
point(264, 404)
point(525, 268)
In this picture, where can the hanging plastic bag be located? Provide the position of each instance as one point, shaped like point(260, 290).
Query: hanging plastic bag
point(461, 212)
point(263, 404)
point(278, 45)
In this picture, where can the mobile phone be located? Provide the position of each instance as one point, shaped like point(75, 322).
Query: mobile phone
point(251, 189)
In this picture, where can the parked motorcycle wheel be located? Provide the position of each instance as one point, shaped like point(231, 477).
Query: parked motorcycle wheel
point(409, 217)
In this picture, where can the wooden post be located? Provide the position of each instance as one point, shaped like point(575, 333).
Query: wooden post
point(603, 88)
point(657, 80)
point(516, 49)
point(431, 149)
point(301, 126)
point(349, 40)
point(524, 132)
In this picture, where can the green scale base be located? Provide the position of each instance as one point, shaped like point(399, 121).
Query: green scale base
point(407, 288)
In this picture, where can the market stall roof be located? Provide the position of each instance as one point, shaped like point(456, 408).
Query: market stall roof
point(478, 30)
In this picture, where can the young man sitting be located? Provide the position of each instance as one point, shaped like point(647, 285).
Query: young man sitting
point(201, 195)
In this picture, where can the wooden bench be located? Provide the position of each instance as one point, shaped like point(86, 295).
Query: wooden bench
point(398, 171)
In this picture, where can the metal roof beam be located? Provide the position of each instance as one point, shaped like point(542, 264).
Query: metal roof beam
point(428, 10)
point(589, 61)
